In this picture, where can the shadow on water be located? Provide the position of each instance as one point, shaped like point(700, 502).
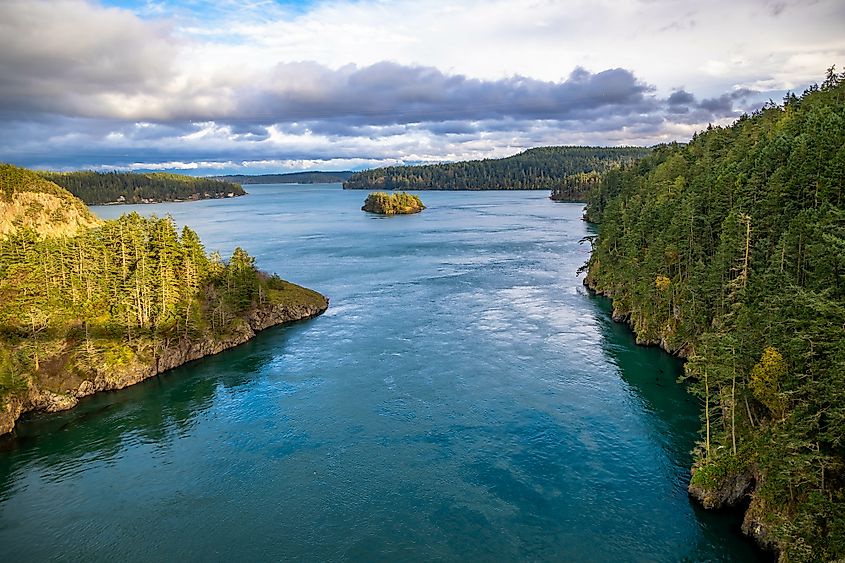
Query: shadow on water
point(652, 374)
point(152, 411)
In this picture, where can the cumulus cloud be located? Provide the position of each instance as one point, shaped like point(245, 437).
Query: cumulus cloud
point(389, 93)
point(681, 98)
point(725, 102)
point(71, 57)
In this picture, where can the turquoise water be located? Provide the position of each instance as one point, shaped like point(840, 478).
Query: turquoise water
point(464, 398)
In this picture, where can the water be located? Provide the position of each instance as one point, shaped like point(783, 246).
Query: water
point(464, 398)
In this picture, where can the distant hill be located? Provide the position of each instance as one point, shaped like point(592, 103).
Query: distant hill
point(28, 201)
point(97, 188)
point(541, 168)
point(289, 178)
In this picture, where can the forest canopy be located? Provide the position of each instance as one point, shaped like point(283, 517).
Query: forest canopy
point(392, 204)
point(97, 188)
point(535, 169)
point(730, 250)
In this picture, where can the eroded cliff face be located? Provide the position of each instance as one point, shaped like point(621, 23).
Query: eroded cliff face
point(180, 352)
point(733, 490)
point(736, 490)
point(656, 337)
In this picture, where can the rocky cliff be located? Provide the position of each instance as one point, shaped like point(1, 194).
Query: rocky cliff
point(40, 398)
point(28, 201)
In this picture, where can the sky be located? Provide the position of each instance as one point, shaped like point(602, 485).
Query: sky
point(267, 86)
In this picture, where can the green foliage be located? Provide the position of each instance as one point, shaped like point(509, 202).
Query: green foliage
point(731, 251)
point(116, 354)
point(95, 188)
point(766, 378)
point(132, 274)
point(393, 204)
point(535, 169)
point(14, 180)
point(66, 209)
point(576, 187)
point(117, 293)
point(286, 294)
point(13, 372)
point(715, 472)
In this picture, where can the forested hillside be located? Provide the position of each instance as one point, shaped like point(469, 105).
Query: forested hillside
point(535, 169)
point(96, 188)
point(577, 187)
point(731, 251)
point(119, 302)
point(288, 178)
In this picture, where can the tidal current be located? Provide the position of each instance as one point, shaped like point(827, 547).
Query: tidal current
point(464, 398)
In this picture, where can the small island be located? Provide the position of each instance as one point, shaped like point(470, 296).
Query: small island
point(392, 204)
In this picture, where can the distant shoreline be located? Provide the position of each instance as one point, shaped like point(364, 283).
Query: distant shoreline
point(147, 201)
point(416, 189)
point(287, 178)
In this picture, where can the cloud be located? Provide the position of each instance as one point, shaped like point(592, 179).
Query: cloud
point(681, 98)
point(389, 93)
point(447, 119)
point(72, 57)
point(202, 85)
point(724, 104)
point(110, 78)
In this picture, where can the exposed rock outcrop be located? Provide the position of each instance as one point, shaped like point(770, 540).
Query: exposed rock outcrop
point(732, 491)
point(662, 337)
point(175, 355)
point(28, 201)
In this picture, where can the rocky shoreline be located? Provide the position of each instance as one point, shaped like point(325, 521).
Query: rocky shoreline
point(175, 355)
point(734, 491)
point(195, 197)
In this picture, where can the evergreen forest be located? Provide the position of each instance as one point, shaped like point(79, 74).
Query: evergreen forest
point(576, 187)
point(541, 168)
point(730, 251)
point(116, 295)
point(97, 188)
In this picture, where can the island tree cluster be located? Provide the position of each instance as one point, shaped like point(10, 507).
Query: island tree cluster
point(731, 250)
point(393, 204)
point(96, 188)
point(535, 169)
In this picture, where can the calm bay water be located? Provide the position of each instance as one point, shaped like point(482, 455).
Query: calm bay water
point(464, 398)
